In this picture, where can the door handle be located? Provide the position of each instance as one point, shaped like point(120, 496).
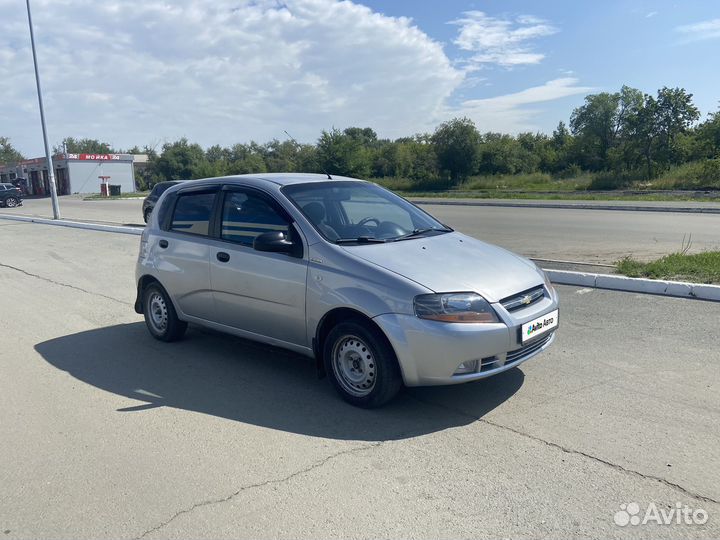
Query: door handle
point(163, 243)
point(222, 256)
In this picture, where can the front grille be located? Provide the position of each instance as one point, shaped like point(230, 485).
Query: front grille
point(523, 299)
point(527, 350)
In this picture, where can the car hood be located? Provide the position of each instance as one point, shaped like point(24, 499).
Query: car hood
point(454, 262)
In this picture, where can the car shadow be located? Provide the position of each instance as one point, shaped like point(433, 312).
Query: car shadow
point(240, 380)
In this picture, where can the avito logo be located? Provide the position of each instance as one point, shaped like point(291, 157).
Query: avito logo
point(539, 325)
point(632, 514)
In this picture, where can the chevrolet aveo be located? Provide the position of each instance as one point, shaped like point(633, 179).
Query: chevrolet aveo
point(379, 292)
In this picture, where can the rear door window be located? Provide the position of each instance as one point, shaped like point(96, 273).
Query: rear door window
point(192, 213)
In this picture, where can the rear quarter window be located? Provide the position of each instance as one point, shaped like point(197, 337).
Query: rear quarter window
point(192, 213)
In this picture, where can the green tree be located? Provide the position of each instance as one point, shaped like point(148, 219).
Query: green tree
point(246, 159)
point(655, 129)
point(500, 154)
point(83, 146)
point(410, 157)
point(707, 137)
point(364, 136)
point(457, 146)
point(8, 154)
point(344, 153)
point(218, 156)
point(145, 174)
point(535, 152)
point(675, 114)
point(289, 156)
point(181, 160)
point(631, 108)
point(595, 125)
point(560, 150)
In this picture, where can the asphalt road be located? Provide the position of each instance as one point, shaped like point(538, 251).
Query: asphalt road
point(598, 236)
point(106, 433)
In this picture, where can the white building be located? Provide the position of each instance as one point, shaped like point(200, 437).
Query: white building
point(75, 173)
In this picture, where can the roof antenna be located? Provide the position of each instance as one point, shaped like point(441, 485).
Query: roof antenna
point(300, 146)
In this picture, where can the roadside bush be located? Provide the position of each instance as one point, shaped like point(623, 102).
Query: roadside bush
point(606, 181)
point(508, 181)
point(395, 184)
point(573, 171)
point(432, 184)
point(703, 174)
point(710, 173)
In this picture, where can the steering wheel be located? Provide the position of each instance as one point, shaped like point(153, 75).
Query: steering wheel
point(366, 220)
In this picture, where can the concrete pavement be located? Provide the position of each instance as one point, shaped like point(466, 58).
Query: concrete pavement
point(110, 434)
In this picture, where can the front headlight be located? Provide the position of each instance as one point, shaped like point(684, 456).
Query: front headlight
point(464, 307)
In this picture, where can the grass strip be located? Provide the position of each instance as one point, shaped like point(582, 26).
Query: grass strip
point(697, 268)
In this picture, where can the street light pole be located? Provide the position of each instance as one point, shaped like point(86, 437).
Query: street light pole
point(51, 171)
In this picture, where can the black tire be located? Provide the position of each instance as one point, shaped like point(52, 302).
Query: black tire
point(11, 202)
point(375, 377)
point(160, 315)
point(146, 215)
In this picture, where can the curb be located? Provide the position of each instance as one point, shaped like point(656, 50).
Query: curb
point(575, 206)
point(657, 287)
point(137, 231)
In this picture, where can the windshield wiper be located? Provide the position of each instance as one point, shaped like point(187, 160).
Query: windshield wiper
point(361, 240)
point(418, 232)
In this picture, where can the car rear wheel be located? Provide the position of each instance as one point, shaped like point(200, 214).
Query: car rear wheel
point(160, 316)
point(361, 364)
point(11, 202)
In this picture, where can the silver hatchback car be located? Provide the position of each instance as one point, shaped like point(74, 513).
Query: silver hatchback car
point(379, 292)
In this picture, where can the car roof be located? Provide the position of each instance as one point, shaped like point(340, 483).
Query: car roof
point(280, 179)
point(284, 179)
point(169, 182)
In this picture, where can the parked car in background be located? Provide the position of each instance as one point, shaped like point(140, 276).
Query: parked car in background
point(10, 196)
point(152, 198)
point(378, 291)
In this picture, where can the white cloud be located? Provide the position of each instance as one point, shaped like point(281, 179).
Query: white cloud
point(650, 14)
point(501, 41)
point(514, 112)
point(218, 72)
point(709, 29)
point(226, 71)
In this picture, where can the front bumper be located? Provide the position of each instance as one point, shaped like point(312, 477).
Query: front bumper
point(429, 352)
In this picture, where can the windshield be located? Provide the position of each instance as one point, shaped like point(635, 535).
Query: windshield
point(345, 212)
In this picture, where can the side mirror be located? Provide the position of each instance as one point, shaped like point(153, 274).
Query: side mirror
point(273, 241)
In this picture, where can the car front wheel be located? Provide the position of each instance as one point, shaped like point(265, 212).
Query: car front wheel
point(11, 202)
point(160, 316)
point(361, 364)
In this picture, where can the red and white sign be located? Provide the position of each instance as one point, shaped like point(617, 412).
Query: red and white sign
point(94, 157)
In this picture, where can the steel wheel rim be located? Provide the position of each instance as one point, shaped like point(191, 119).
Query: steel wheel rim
point(354, 366)
point(11, 203)
point(158, 312)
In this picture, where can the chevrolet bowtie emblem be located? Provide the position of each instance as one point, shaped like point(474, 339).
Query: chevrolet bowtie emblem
point(526, 299)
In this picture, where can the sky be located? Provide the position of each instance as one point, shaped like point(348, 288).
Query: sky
point(145, 72)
